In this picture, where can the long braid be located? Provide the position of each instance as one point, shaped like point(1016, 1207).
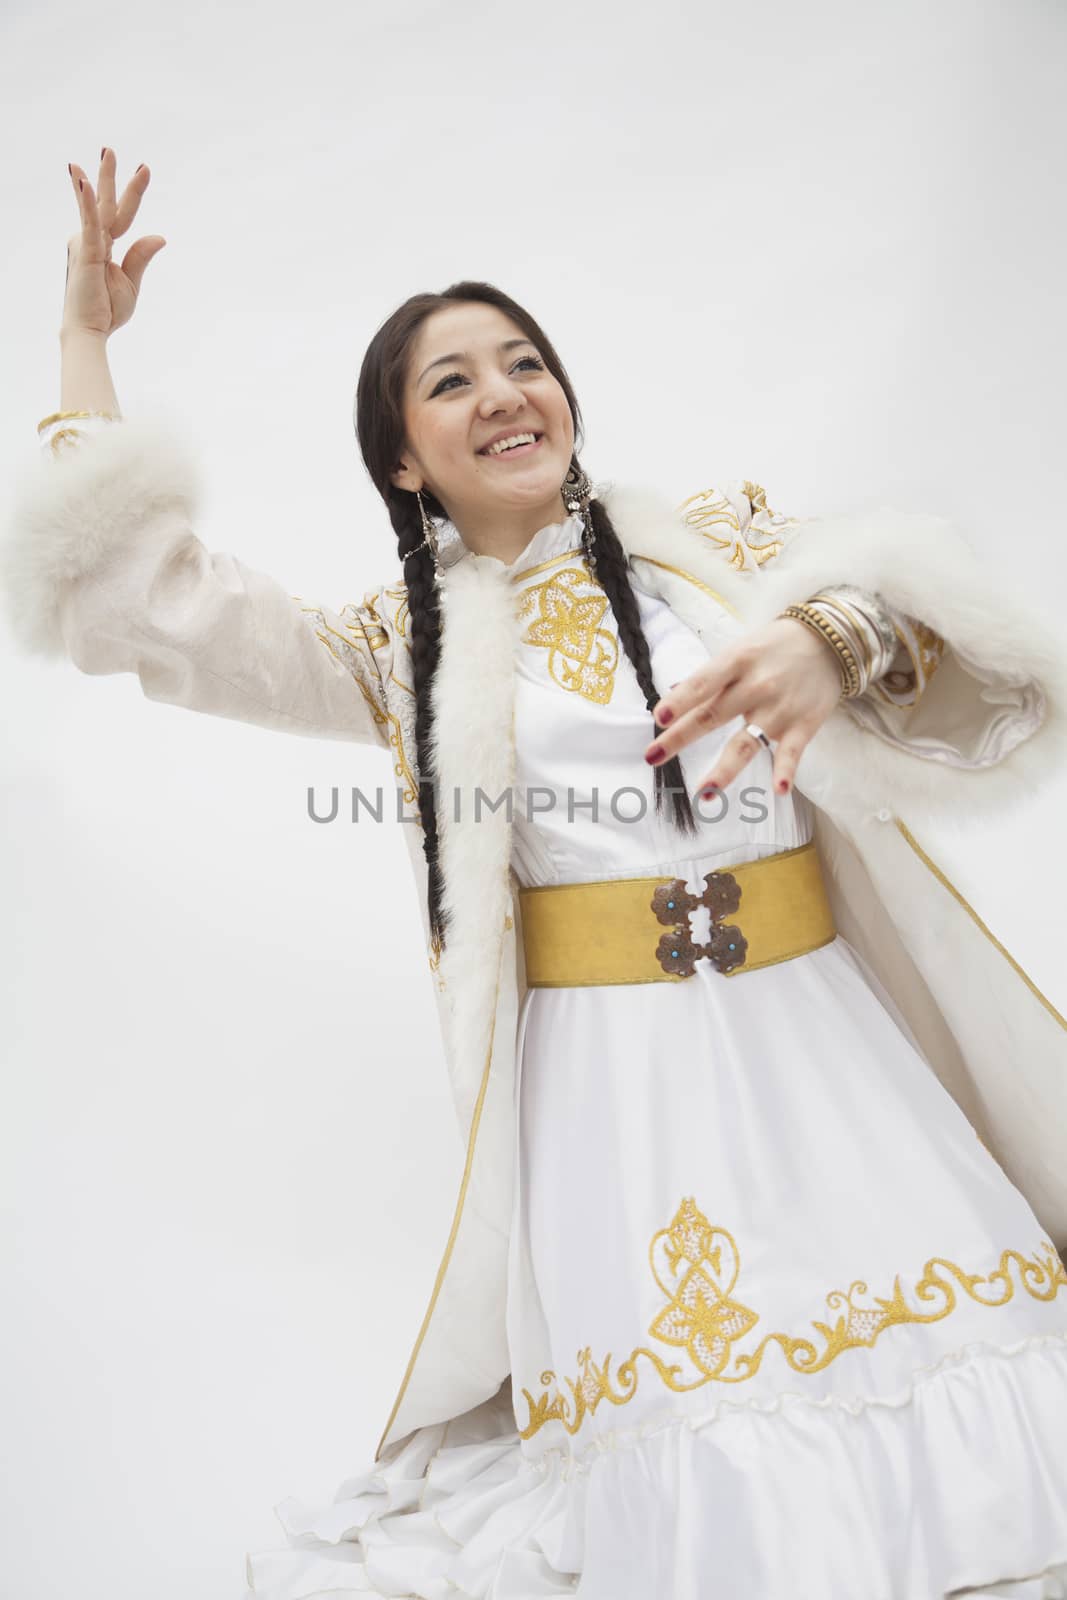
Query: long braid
point(424, 608)
point(614, 578)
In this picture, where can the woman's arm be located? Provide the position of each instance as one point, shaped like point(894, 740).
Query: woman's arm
point(101, 565)
point(85, 377)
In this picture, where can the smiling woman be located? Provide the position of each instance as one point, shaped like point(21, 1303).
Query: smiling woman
point(754, 1265)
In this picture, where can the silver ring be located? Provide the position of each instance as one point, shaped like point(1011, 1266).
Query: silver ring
point(757, 733)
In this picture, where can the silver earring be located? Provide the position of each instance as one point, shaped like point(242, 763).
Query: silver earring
point(578, 491)
point(429, 539)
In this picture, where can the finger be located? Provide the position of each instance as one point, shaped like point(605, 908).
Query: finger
point(733, 759)
point(716, 713)
point(738, 751)
point(787, 754)
point(131, 200)
point(106, 186)
point(703, 685)
point(90, 239)
point(139, 255)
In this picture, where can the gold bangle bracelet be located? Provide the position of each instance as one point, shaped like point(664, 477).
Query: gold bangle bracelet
point(852, 630)
point(852, 620)
point(809, 614)
point(851, 679)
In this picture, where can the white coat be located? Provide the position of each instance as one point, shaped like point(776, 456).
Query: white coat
point(102, 564)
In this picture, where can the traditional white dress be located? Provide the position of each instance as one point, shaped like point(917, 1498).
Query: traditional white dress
point(781, 1328)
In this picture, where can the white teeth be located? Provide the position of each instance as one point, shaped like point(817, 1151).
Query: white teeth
point(505, 444)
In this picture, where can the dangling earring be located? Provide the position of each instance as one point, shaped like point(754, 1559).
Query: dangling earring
point(429, 539)
point(577, 490)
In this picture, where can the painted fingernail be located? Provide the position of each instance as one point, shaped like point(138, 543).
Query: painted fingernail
point(655, 755)
point(103, 151)
point(709, 790)
point(665, 716)
point(139, 169)
point(782, 786)
point(70, 168)
point(81, 183)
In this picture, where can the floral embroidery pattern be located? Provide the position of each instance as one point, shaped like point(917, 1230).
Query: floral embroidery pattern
point(566, 611)
point(696, 1266)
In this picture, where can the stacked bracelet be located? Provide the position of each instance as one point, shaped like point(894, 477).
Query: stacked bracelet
point(858, 627)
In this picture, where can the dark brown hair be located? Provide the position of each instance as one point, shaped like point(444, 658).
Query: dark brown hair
point(382, 438)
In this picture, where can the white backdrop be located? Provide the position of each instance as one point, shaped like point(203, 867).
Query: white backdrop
point(820, 246)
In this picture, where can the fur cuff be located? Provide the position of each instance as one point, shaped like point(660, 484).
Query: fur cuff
point(921, 565)
point(70, 512)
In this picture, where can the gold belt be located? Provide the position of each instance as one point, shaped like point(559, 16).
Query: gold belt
point(611, 931)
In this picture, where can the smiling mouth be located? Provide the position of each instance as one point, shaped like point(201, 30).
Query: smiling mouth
point(516, 450)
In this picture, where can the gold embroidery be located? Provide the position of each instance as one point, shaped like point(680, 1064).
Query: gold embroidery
point(582, 656)
point(709, 510)
point(696, 1267)
point(542, 566)
point(345, 648)
point(681, 573)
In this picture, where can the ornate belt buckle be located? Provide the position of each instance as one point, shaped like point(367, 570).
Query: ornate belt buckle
point(677, 951)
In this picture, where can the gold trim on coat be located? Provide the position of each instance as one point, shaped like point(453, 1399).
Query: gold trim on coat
point(681, 572)
point(457, 1215)
point(972, 913)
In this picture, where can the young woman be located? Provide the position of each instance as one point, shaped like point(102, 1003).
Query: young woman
point(752, 1285)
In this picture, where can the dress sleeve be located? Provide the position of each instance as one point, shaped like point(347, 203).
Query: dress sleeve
point(951, 693)
point(101, 565)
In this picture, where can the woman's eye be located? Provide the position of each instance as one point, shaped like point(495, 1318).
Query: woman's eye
point(446, 381)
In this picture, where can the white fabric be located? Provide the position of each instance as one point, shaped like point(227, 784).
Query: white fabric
point(793, 1112)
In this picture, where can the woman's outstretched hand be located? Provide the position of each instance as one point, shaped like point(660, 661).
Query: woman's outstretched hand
point(101, 295)
point(782, 677)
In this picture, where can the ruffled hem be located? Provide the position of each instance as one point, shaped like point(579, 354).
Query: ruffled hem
point(956, 1488)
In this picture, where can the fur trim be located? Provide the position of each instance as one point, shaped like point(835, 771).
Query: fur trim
point(70, 511)
point(472, 749)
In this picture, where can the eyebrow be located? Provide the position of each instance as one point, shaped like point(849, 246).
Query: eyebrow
point(461, 355)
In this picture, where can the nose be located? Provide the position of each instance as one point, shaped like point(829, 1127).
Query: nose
point(501, 393)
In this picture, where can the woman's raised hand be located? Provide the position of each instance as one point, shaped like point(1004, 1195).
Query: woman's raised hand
point(101, 295)
point(782, 676)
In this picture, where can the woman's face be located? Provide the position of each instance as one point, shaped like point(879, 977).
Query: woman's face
point(473, 377)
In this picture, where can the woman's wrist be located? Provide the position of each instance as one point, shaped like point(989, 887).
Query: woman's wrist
point(857, 626)
point(85, 375)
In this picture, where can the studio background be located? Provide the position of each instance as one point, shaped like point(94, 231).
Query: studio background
point(819, 247)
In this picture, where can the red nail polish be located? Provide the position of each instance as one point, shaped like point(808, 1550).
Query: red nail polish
point(710, 792)
point(655, 755)
point(665, 716)
point(783, 786)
